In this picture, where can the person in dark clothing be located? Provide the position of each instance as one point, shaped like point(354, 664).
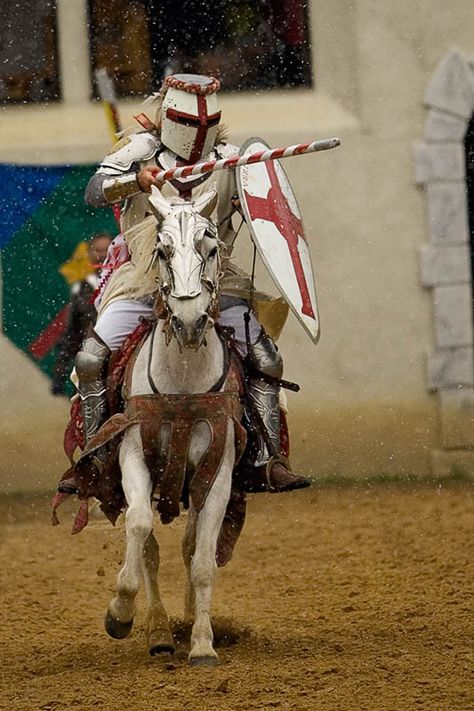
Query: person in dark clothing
point(82, 315)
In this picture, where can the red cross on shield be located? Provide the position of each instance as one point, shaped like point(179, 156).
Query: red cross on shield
point(274, 221)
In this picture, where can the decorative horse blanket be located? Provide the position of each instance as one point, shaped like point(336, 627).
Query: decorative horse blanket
point(172, 478)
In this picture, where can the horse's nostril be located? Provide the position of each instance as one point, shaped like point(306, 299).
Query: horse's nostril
point(189, 335)
point(177, 324)
point(201, 323)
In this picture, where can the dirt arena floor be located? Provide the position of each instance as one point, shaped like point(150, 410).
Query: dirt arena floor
point(347, 598)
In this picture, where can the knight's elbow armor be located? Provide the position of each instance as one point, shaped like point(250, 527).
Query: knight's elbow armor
point(116, 179)
point(104, 190)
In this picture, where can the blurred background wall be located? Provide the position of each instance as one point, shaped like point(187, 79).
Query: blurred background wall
point(389, 388)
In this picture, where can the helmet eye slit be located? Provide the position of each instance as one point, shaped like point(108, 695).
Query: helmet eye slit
point(187, 121)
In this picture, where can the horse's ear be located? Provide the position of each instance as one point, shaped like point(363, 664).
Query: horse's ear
point(206, 203)
point(160, 205)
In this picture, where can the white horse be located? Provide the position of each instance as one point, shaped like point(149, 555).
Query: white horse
point(184, 355)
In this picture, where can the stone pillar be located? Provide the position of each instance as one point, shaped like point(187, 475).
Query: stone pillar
point(445, 263)
point(73, 50)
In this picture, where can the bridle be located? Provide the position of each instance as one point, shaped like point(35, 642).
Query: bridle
point(189, 258)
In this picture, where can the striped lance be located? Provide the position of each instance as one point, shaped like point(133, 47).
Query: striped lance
point(210, 166)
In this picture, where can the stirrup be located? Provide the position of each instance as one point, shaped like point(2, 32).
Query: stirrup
point(98, 462)
point(68, 486)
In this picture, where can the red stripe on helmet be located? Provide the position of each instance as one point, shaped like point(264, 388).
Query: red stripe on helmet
point(201, 134)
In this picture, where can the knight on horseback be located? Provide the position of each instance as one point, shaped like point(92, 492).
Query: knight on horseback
point(186, 129)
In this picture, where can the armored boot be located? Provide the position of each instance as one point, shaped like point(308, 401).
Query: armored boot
point(90, 362)
point(271, 472)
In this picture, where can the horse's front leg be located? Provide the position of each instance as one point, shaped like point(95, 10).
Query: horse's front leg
point(203, 563)
point(160, 638)
point(137, 485)
point(188, 547)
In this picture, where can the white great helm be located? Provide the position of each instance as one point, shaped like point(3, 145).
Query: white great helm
point(190, 115)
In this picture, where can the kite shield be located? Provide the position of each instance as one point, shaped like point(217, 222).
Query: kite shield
point(276, 228)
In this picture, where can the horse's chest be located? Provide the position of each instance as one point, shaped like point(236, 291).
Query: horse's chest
point(177, 432)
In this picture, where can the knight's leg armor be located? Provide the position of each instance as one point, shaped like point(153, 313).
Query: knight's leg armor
point(271, 472)
point(264, 395)
point(112, 328)
point(90, 362)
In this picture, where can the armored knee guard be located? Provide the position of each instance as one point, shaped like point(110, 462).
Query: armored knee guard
point(264, 395)
point(90, 362)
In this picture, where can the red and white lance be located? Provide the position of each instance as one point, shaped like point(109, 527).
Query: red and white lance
point(209, 166)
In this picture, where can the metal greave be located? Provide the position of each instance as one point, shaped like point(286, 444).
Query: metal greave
point(264, 397)
point(93, 407)
point(265, 358)
point(89, 368)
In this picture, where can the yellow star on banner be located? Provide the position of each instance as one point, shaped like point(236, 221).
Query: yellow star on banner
point(78, 266)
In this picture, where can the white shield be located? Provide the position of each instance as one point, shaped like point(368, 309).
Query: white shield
point(275, 224)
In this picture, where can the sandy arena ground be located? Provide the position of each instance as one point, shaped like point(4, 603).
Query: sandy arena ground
point(337, 598)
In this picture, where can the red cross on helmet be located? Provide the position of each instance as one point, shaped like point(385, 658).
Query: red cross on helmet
point(190, 115)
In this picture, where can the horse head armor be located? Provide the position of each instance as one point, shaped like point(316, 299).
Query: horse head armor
point(187, 253)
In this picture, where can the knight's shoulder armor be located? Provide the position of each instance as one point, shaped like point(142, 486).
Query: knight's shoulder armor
point(226, 150)
point(132, 149)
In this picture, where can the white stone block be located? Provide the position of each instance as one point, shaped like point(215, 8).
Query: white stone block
point(450, 368)
point(443, 128)
point(447, 213)
point(445, 265)
point(451, 88)
point(457, 417)
point(453, 315)
point(436, 162)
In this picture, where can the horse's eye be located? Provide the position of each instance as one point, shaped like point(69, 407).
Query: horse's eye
point(164, 251)
point(160, 251)
point(212, 253)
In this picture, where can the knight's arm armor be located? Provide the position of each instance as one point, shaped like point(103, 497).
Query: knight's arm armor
point(116, 177)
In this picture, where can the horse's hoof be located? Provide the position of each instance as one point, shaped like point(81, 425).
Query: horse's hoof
point(160, 642)
point(156, 649)
point(203, 661)
point(115, 628)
